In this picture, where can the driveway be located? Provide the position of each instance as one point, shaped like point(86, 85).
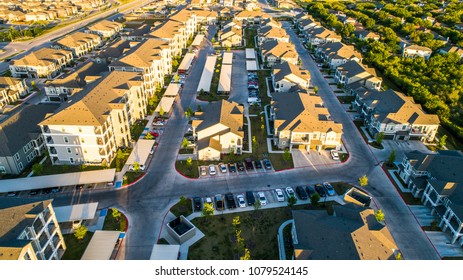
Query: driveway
point(400, 147)
point(302, 158)
point(423, 214)
point(441, 241)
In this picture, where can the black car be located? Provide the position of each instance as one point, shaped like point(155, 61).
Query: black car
point(258, 164)
point(240, 166)
point(250, 198)
point(320, 189)
point(267, 164)
point(197, 203)
point(302, 193)
point(219, 204)
point(231, 204)
point(248, 163)
point(231, 167)
point(310, 190)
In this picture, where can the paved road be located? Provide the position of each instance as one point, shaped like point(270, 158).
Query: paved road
point(147, 202)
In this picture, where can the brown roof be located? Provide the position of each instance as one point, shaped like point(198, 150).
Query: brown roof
point(42, 57)
point(105, 25)
point(167, 30)
point(229, 114)
point(142, 55)
point(279, 49)
point(281, 71)
point(272, 32)
point(77, 39)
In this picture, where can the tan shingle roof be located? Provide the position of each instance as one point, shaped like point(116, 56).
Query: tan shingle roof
point(142, 55)
point(230, 114)
point(77, 39)
point(279, 49)
point(284, 69)
point(105, 25)
point(42, 57)
point(272, 32)
point(167, 30)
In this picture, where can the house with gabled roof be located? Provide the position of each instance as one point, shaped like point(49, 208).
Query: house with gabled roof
point(302, 121)
point(231, 37)
point(219, 130)
point(354, 74)
point(268, 32)
point(106, 29)
point(79, 43)
point(274, 52)
point(320, 35)
point(337, 53)
point(287, 75)
point(412, 51)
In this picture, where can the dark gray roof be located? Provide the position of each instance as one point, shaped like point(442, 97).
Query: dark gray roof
point(21, 127)
point(77, 79)
point(444, 166)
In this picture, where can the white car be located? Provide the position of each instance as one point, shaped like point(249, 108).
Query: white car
point(212, 170)
point(334, 155)
point(262, 198)
point(223, 168)
point(241, 201)
point(279, 194)
point(141, 167)
point(290, 192)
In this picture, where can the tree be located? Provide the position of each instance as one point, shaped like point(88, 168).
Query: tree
point(314, 199)
point(189, 162)
point(119, 159)
point(198, 108)
point(379, 215)
point(347, 30)
point(208, 210)
point(315, 89)
point(391, 158)
point(37, 168)
point(136, 167)
point(286, 155)
point(176, 78)
point(291, 201)
point(363, 181)
point(80, 233)
point(246, 256)
point(442, 141)
point(257, 205)
point(161, 111)
point(379, 138)
point(185, 143)
point(189, 113)
point(149, 136)
point(254, 144)
point(116, 214)
point(174, 63)
point(399, 256)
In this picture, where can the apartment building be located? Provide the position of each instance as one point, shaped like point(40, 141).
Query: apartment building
point(287, 75)
point(274, 52)
point(352, 74)
point(79, 43)
point(189, 19)
point(174, 33)
point(269, 32)
point(436, 179)
point(337, 53)
point(301, 121)
point(43, 63)
point(231, 37)
point(320, 35)
point(152, 58)
point(30, 230)
point(106, 110)
point(21, 140)
point(106, 29)
point(395, 115)
point(11, 90)
point(219, 130)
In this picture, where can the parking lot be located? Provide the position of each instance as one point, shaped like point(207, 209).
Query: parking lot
point(234, 169)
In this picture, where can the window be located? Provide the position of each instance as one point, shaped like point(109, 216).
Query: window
point(71, 160)
point(66, 140)
point(69, 150)
point(2, 170)
point(20, 165)
point(16, 156)
point(404, 127)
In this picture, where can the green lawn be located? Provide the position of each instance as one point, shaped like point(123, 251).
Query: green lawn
point(191, 172)
point(358, 124)
point(50, 169)
point(110, 223)
point(137, 129)
point(249, 34)
point(341, 187)
point(131, 177)
point(119, 163)
point(183, 207)
point(75, 248)
point(452, 142)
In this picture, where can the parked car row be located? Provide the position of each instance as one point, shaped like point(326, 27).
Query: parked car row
point(248, 164)
point(253, 88)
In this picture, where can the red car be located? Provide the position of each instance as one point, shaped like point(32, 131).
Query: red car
point(155, 134)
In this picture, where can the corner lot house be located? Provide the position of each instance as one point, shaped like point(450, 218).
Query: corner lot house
point(415, 50)
point(219, 130)
point(30, 230)
point(302, 121)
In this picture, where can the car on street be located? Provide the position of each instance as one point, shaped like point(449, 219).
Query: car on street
point(267, 164)
point(250, 198)
point(197, 203)
point(279, 194)
point(290, 192)
point(302, 193)
point(12, 194)
point(203, 170)
point(212, 170)
point(219, 204)
point(248, 163)
point(241, 201)
point(231, 167)
point(258, 164)
point(230, 199)
point(329, 189)
point(310, 190)
point(262, 198)
point(334, 155)
point(240, 166)
point(321, 190)
point(223, 168)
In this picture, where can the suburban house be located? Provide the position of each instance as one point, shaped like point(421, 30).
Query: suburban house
point(106, 109)
point(274, 52)
point(43, 63)
point(354, 74)
point(395, 115)
point(364, 35)
point(321, 35)
point(219, 130)
point(351, 233)
point(337, 53)
point(152, 58)
point(252, 17)
point(174, 33)
point(231, 37)
point(300, 17)
point(301, 121)
point(30, 230)
point(270, 22)
point(79, 43)
point(413, 51)
point(232, 23)
point(62, 89)
point(21, 140)
point(269, 32)
point(287, 75)
point(436, 179)
point(11, 89)
point(205, 16)
point(306, 24)
point(452, 49)
point(285, 4)
point(106, 29)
